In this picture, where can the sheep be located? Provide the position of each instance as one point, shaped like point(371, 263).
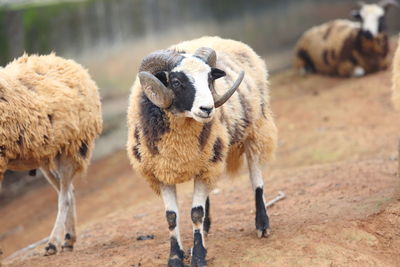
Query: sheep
point(182, 128)
point(396, 78)
point(347, 48)
point(50, 116)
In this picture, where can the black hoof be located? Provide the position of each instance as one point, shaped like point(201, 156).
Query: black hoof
point(176, 262)
point(50, 249)
point(263, 233)
point(197, 262)
point(262, 220)
point(199, 252)
point(67, 248)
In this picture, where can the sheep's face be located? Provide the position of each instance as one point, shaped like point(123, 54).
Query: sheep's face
point(191, 82)
point(372, 19)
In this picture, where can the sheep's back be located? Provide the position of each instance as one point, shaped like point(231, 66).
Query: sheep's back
point(325, 44)
point(51, 106)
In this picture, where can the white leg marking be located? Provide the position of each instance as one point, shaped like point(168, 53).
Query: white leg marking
point(255, 170)
point(168, 193)
point(65, 172)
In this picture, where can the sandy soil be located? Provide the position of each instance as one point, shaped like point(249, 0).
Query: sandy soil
point(336, 162)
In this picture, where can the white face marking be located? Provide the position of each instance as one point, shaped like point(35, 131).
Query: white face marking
point(370, 15)
point(197, 71)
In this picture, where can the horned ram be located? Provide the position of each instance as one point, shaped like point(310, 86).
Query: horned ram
point(185, 122)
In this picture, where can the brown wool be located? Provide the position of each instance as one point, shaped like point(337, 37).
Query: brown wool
point(48, 106)
point(333, 50)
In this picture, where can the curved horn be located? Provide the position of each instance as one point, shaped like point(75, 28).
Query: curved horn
point(154, 89)
point(388, 3)
point(220, 100)
point(161, 60)
point(207, 54)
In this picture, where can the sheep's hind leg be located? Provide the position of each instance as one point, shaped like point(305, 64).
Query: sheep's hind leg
point(65, 172)
point(200, 196)
point(262, 219)
point(168, 193)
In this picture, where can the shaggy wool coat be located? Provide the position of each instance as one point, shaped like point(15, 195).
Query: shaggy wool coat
point(167, 149)
point(48, 106)
point(336, 48)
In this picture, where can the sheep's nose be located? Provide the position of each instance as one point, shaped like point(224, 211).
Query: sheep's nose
point(368, 35)
point(207, 110)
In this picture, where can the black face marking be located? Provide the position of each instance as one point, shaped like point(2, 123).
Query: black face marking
point(262, 220)
point(204, 134)
point(217, 150)
point(154, 123)
point(308, 62)
point(184, 91)
point(32, 172)
point(2, 151)
point(197, 214)
point(175, 250)
point(199, 251)
point(83, 149)
point(67, 236)
point(207, 219)
point(171, 219)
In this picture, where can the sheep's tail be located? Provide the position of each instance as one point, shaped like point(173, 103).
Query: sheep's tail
point(396, 79)
point(234, 159)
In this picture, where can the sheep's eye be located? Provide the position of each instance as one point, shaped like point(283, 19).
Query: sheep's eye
point(176, 83)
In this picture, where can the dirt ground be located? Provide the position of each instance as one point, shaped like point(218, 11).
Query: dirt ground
point(336, 162)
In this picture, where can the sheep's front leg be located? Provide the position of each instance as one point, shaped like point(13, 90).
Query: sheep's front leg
point(262, 220)
point(200, 195)
point(176, 255)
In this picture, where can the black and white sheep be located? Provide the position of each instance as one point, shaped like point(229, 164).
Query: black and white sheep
point(347, 48)
point(182, 127)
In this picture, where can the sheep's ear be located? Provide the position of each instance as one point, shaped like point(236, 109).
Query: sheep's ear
point(217, 73)
point(355, 13)
point(163, 77)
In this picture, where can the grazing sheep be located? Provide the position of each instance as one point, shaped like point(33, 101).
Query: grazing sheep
point(50, 115)
point(178, 133)
point(396, 78)
point(346, 48)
